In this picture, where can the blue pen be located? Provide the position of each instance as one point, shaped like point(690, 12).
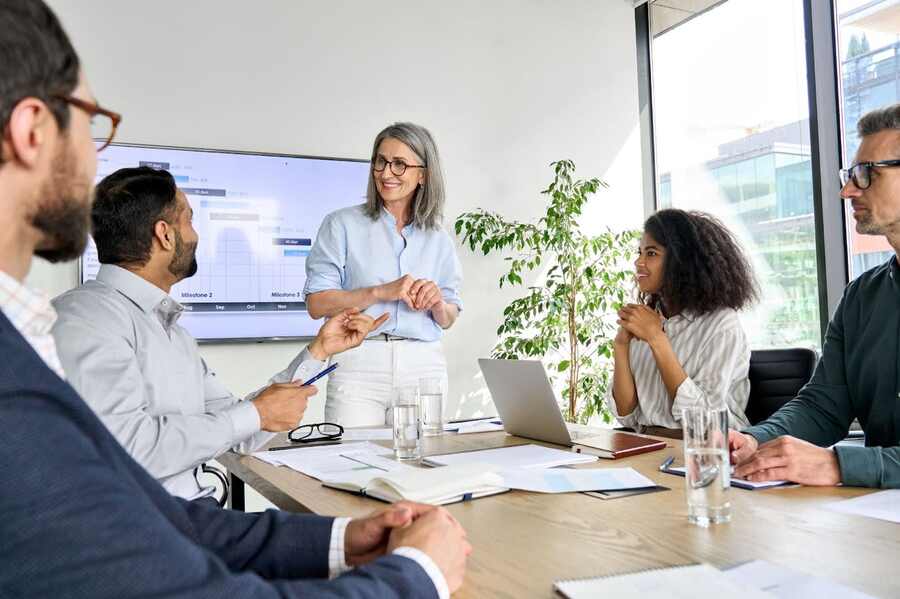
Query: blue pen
point(320, 375)
point(665, 465)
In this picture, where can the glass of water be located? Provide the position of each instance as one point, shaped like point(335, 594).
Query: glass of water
point(407, 424)
point(708, 471)
point(431, 398)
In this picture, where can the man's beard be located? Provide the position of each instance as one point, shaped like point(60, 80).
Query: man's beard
point(184, 262)
point(64, 210)
point(865, 226)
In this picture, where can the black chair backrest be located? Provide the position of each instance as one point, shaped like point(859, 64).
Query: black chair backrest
point(776, 375)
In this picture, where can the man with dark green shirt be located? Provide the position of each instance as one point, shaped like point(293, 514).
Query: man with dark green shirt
point(858, 375)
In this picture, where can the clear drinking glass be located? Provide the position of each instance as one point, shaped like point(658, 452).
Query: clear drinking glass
point(407, 424)
point(431, 398)
point(708, 471)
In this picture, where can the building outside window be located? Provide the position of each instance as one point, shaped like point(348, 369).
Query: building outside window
point(731, 134)
point(869, 65)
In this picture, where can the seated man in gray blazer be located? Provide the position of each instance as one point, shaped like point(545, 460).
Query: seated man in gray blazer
point(123, 350)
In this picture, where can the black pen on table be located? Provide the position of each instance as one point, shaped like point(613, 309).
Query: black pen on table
point(310, 444)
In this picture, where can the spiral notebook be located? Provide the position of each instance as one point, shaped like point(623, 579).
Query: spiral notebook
point(699, 581)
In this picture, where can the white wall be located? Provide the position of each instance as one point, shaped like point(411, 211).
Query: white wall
point(505, 86)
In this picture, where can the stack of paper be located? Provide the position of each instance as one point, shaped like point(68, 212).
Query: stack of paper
point(884, 505)
point(367, 468)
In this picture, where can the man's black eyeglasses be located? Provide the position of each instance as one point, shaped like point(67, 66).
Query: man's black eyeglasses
point(398, 167)
point(321, 431)
point(861, 173)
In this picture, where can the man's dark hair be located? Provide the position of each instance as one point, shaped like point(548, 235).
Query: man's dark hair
point(705, 268)
point(881, 119)
point(36, 59)
point(127, 205)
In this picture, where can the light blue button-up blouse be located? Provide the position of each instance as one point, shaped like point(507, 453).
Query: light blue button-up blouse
point(353, 251)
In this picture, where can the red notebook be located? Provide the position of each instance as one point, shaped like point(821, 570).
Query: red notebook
point(617, 444)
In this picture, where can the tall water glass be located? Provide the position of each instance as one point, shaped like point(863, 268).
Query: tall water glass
point(708, 471)
point(407, 424)
point(431, 398)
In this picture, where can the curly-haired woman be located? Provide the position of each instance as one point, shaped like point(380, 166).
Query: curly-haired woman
point(683, 345)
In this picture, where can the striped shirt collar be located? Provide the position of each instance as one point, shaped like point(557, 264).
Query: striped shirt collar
point(29, 310)
point(677, 323)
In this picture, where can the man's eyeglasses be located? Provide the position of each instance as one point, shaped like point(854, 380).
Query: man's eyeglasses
point(103, 122)
point(398, 167)
point(321, 431)
point(861, 173)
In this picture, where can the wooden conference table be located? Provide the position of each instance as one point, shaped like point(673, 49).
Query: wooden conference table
point(524, 541)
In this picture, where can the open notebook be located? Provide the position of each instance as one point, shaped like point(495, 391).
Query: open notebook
point(436, 486)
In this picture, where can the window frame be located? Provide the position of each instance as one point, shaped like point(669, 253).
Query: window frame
point(826, 142)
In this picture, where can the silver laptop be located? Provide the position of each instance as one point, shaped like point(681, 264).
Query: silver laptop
point(525, 400)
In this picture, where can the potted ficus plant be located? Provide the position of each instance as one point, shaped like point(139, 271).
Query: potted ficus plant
point(566, 318)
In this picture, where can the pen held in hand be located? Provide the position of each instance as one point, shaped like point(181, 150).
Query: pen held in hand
point(318, 376)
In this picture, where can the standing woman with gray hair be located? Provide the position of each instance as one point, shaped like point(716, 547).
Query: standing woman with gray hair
point(391, 255)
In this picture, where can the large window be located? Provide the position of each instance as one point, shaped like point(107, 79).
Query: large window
point(732, 137)
point(869, 64)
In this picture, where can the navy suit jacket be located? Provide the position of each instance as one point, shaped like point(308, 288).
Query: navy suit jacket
point(80, 518)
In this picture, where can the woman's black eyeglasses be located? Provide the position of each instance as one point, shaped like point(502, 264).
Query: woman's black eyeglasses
point(398, 167)
point(306, 433)
point(861, 173)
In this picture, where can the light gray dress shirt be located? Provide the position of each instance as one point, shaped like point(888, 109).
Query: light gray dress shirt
point(123, 351)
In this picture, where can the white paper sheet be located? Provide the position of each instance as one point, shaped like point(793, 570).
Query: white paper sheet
point(686, 582)
point(518, 456)
point(568, 480)
point(884, 505)
point(787, 584)
point(474, 426)
point(479, 427)
point(367, 434)
point(326, 461)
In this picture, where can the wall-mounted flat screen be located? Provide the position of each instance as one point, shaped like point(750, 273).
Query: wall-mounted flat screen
point(257, 216)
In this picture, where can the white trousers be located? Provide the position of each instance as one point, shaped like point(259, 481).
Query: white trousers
point(360, 390)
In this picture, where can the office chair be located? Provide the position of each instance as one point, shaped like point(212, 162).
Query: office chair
point(223, 481)
point(776, 375)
